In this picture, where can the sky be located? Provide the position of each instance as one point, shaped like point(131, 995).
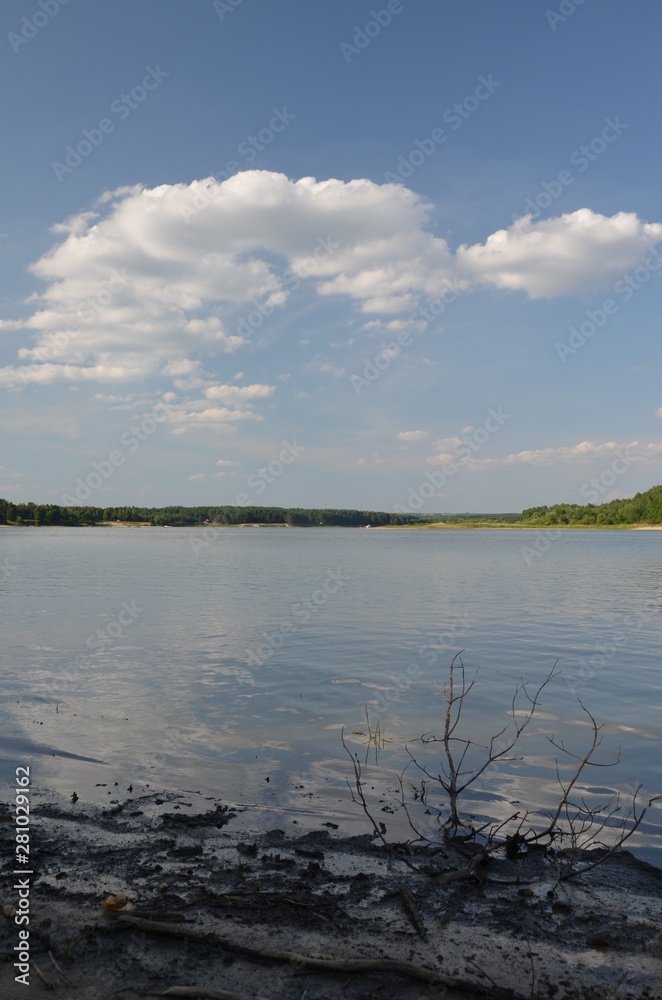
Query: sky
point(401, 256)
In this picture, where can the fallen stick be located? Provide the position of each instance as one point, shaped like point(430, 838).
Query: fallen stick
point(303, 961)
point(47, 983)
point(67, 981)
point(409, 904)
point(202, 991)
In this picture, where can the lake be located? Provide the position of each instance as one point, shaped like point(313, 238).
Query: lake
point(227, 661)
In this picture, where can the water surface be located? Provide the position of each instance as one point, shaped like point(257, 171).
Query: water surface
point(213, 660)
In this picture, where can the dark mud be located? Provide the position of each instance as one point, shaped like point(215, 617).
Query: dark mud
point(217, 893)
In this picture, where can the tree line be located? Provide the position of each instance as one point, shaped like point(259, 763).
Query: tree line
point(641, 508)
point(178, 516)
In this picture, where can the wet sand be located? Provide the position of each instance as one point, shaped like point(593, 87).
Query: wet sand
point(216, 904)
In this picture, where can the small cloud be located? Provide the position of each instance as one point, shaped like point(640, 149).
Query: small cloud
point(413, 435)
point(323, 365)
point(226, 461)
point(195, 477)
point(237, 375)
point(304, 343)
point(284, 377)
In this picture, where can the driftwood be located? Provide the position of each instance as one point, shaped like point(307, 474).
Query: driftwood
point(300, 962)
point(409, 904)
point(202, 991)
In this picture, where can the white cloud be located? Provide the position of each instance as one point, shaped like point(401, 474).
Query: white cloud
point(573, 254)
point(195, 477)
point(239, 394)
point(322, 364)
point(584, 453)
point(413, 435)
point(141, 285)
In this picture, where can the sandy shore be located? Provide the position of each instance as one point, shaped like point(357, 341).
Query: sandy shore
point(219, 906)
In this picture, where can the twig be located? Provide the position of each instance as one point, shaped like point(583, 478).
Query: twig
point(66, 979)
point(409, 904)
point(364, 805)
point(533, 970)
point(202, 991)
point(304, 961)
point(47, 983)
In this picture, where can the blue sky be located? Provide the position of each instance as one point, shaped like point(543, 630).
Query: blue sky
point(418, 243)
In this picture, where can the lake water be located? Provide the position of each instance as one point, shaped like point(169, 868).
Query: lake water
point(212, 660)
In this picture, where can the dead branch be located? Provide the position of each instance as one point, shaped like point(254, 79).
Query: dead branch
point(360, 799)
point(352, 965)
point(47, 983)
point(202, 991)
point(581, 825)
point(67, 981)
point(451, 781)
point(410, 908)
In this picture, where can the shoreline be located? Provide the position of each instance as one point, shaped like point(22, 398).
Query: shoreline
point(435, 526)
point(221, 903)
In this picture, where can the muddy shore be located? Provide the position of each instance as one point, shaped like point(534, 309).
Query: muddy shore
point(226, 910)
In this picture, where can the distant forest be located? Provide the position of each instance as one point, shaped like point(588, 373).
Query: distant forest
point(40, 514)
point(644, 508)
